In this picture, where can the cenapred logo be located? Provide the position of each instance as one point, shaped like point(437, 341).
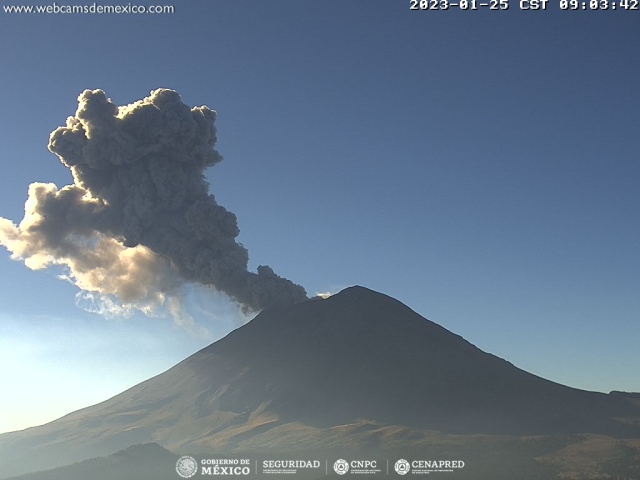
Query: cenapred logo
point(341, 466)
point(402, 467)
point(186, 466)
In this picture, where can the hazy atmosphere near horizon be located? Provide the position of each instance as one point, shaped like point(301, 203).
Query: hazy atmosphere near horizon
point(480, 166)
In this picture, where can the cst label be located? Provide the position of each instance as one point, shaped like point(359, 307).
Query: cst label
point(533, 4)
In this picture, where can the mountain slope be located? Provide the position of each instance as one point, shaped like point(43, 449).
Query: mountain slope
point(139, 462)
point(291, 376)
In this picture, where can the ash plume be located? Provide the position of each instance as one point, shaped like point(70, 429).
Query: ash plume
point(139, 221)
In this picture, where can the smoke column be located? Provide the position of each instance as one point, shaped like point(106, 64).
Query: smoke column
point(139, 221)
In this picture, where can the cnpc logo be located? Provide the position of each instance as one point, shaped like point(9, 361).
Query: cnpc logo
point(356, 466)
point(341, 466)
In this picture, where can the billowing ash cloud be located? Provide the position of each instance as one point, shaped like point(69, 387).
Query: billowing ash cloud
point(138, 221)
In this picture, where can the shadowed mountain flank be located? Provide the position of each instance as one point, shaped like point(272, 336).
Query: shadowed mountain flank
point(314, 375)
point(364, 355)
point(139, 462)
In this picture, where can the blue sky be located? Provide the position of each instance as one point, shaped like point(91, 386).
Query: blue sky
point(481, 166)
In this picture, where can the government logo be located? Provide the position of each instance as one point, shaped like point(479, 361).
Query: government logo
point(341, 467)
point(402, 467)
point(186, 466)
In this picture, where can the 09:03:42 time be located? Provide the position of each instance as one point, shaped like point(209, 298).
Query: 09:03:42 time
point(462, 4)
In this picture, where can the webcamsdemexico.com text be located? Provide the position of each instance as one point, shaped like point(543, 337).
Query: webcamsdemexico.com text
point(94, 8)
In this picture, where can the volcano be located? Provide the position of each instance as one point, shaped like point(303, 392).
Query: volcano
point(318, 374)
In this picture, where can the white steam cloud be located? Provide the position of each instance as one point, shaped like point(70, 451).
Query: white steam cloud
point(138, 221)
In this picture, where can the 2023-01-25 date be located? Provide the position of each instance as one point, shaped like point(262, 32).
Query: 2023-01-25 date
point(462, 4)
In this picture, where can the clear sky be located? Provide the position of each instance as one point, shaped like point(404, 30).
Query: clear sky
point(480, 166)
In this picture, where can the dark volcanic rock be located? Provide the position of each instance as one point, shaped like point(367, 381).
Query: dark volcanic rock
point(363, 355)
point(356, 356)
